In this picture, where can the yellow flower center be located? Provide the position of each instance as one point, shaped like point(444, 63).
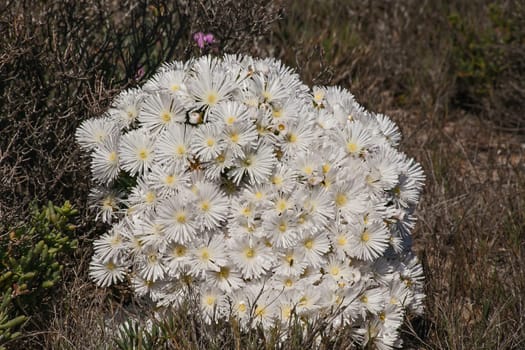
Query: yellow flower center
point(143, 154)
point(110, 266)
point(230, 120)
point(326, 168)
point(234, 137)
point(242, 307)
point(288, 283)
point(108, 203)
point(205, 205)
point(152, 258)
point(282, 227)
point(150, 197)
point(292, 138)
point(281, 205)
point(180, 250)
point(210, 300)
point(309, 244)
point(165, 116)
point(169, 180)
point(308, 170)
point(340, 199)
point(250, 253)
point(303, 301)
point(260, 311)
point(246, 211)
point(286, 312)
point(181, 150)
point(364, 299)
point(211, 98)
point(131, 113)
point(210, 142)
point(334, 271)
point(341, 240)
point(181, 218)
point(112, 157)
point(352, 147)
point(277, 113)
point(267, 95)
point(365, 236)
point(205, 254)
point(277, 180)
point(175, 87)
point(259, 195)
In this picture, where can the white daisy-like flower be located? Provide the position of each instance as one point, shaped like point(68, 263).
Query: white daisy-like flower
point(208, 142)
point(125, 110)
point(369, 242)
point(178, 217)
point(151, 265)
point(107, 203)
point(173, 145)
point(256, 163)
point(137, 151)
point(313, 248)
point(93, 133)
point(354, 139)
point(160, 110)
point(213, 304)
point(209, 86)
point(227, 278)
point(105, 165)
point(208, 256)
point(106, 273)
point(280, 230)
point(211, 206)
point(251, 257)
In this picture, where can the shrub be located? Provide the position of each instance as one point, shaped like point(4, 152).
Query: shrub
point(30, 258)
point(228, 178)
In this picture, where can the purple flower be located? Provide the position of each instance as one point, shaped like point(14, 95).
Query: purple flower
point(202, 39)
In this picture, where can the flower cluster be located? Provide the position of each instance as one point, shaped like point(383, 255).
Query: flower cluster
point(230, 177)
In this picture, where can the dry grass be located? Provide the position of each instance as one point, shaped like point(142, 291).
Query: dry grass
point(399, 59)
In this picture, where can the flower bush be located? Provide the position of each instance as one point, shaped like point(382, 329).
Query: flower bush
point(230, 178)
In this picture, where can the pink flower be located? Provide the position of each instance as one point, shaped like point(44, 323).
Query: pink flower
point(203, 39)
point(140, 73)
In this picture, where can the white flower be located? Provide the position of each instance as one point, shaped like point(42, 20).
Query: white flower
point(137, 151)
point(151, 265)
point(251, 257)
point(173, 145)
point(179, 219)
point(256, 163)
point(211, 206)
point(160, 110)
point(208, 142)
point(208, 256)
point(93, 133)
point(106, 273)
point(105, 165)
point(125, 110)
point(369, 242)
